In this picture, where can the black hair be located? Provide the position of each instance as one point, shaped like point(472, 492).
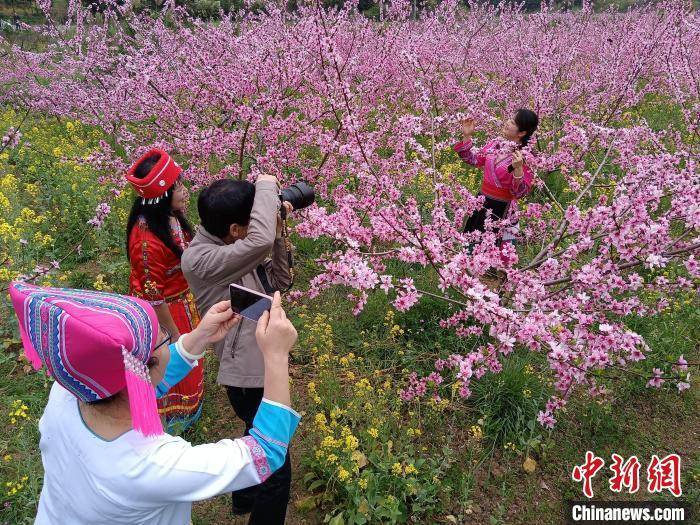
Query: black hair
point(223, 203)
point(156, 215)
point(527, 121)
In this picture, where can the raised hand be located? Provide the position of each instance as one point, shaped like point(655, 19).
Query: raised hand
point(275, 334)
point(264, 176)
point(468, 128)
point(517, 160)
point(217, 322)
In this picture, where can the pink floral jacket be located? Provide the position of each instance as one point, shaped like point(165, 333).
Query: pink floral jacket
point(498, 182)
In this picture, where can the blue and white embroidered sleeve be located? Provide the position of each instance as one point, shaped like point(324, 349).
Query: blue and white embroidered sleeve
point(178, 367)
point(273, 428)
point(171, 470)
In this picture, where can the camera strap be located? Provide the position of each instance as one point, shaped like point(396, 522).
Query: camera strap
point(287, 247)
point(262, 275)
point(260, 268)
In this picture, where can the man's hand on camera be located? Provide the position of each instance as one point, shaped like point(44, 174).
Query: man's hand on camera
point(272, 178)
point(275, 334)
point(287, 210)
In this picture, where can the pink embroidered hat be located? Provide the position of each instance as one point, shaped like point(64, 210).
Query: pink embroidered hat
point(93, 343)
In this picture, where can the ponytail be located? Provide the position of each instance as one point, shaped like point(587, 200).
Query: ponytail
point(527, 121)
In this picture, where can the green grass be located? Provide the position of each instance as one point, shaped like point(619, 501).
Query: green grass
point(508, 402)
point(19, 443)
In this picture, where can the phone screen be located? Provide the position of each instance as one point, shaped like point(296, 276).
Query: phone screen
point(247, 303)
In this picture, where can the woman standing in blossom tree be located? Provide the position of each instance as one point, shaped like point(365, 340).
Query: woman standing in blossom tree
point(506, 177)
point(157, 233)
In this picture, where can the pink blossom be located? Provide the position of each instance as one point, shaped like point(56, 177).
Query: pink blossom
point(309, 96)
point(656, 381)
point(682, 364)
point(10, 139)
point(386, 284)
point(546, 419)
point(101, 213)
point(655, 261)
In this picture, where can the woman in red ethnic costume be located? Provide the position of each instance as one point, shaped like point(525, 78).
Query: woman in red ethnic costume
point(157, 233)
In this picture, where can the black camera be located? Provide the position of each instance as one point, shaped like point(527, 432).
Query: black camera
point(300, 195)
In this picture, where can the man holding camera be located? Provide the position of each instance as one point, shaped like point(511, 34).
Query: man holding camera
point(240, 226)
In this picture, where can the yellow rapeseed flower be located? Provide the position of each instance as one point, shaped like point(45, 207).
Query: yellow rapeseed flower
point(476, 432)
point(321, 421)
point(8, 183)
point(351, 443)
point(328, 442)
point(100, 283)
point(343, 475)
point(4, 202)
point(395, 331)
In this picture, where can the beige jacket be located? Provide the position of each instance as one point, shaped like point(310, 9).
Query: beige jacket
point(210, 266)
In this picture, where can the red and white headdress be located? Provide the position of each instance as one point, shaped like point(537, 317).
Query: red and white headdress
point(158, 180)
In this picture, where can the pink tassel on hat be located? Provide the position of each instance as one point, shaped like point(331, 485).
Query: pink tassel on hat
point(18, 301)
point(29, 350)
point(142, 396)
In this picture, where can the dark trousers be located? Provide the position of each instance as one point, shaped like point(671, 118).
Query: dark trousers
point(267, 502)
point(477, 220)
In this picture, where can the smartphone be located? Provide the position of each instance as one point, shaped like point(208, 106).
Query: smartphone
point(249, 303)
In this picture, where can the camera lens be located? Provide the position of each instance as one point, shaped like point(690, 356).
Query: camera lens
point(300, 195)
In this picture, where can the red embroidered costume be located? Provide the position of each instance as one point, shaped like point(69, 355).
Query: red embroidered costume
point(156, 277)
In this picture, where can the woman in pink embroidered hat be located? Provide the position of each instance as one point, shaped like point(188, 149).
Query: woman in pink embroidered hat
point(157, 232)
point(106, 458)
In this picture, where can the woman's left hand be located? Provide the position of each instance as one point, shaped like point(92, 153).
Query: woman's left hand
point(212, 328)
point(517, 160)
point(216, 323)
